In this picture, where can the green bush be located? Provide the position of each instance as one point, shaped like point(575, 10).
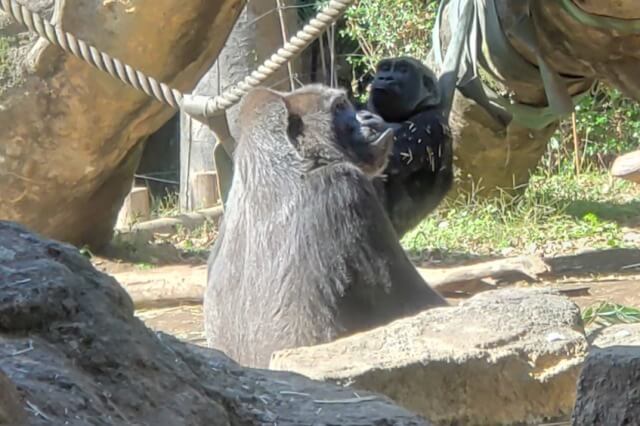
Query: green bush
point(4, 61)
point(390, 28)
point(384, 28)
point(607, 123)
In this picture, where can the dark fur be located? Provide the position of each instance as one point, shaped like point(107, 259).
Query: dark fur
point(405, 96)
point(305, 253)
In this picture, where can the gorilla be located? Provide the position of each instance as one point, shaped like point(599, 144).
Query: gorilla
point(406, 97)
point(306, 253)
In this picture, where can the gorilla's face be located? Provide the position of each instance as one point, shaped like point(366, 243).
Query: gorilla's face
point(399, 87)
point(323, 127)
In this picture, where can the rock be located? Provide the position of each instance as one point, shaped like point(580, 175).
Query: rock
point(609, 384)
point(631, 237)
point(621, 9)
point(627, 167)
point(11, 411)
point(71, 135)
point(502, 357)
point(478, 140)
point(71, 344)
point(616, 335)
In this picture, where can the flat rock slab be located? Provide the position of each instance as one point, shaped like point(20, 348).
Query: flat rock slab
point(627, 167)
point(502, 357)
point(73, 353)
point(609, 385)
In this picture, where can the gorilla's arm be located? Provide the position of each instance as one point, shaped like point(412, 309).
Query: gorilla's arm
point(375, 122)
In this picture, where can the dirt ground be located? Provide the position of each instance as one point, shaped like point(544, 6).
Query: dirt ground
point(587, 278)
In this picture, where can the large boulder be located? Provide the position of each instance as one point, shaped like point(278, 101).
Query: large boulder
point(621, 9)
point(72, 346)
point(627, 167)
point(580, 41)
point(502, 357)
point(71, 135)
point(609, 385)
point(491, 157)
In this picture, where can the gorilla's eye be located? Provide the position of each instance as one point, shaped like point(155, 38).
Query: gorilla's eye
point(295, 128)
point(341, 106)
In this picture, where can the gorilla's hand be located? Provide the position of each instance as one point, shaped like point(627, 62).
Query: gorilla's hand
point(373, 124)
point(371, 120)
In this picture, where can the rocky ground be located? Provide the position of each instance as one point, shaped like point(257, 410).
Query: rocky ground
point(506, 356)
point(75, 352)
point(611, 276)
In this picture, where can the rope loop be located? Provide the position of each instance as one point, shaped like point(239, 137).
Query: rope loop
point(161, 91)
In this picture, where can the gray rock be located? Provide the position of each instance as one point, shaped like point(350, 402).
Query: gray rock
point(609, 385)
point(71, 344)
point(502, 357)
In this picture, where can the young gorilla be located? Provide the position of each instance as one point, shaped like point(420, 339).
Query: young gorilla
point(305, 253)
point(405, 96)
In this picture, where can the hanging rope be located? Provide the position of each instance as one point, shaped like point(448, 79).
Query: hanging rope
point(91, 55)
point(208, 107)
point(160, 91)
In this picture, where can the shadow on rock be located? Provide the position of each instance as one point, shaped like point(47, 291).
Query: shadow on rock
point(623, 214)
point(617, 260)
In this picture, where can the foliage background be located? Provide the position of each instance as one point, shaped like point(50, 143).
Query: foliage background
point(607, 123)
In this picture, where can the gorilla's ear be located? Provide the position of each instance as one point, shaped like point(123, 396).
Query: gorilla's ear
point(295, 128)
point(262, 106)
point(302, 102)
point(431, 90)
point(273, 112)
point(299, 104)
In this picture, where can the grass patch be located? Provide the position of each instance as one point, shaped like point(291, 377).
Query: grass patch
point(4, 49)
point(144, 266)
point(4, 57)
point(197, 241)
point(146, 252)
point(607, 314)
point(165, 206)
point(559, 212)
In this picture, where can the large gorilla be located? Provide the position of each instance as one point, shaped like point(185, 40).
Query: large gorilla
point(305, 253)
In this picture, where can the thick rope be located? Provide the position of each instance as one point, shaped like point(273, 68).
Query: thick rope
point(91, 55)
point(160, 91)
point(293, 47)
